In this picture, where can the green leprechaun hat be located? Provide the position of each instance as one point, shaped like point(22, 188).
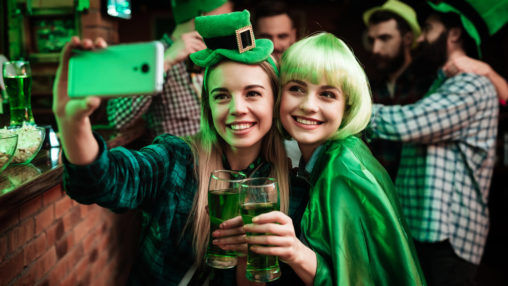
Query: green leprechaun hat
point(480, 18)
point(185, 10)
point(230, 36)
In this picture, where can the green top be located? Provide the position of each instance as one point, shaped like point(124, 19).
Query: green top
point(353, 221)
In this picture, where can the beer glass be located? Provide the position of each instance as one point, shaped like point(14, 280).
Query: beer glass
point(18, 83)
point(223, 191)
point(257, 196)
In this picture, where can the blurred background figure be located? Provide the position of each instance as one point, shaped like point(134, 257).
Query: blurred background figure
point(449, 144)
point(176, 110)
point(392, 31)
point(273, 21)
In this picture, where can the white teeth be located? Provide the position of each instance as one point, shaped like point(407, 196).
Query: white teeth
point(307, 122)
point(240, 126)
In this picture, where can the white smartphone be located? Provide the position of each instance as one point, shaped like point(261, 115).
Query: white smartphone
point(120, 70)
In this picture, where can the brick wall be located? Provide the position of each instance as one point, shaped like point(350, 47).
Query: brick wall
point(52, 240)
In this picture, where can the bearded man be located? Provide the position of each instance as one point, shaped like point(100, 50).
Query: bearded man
point(449, 143)
point(392, 30)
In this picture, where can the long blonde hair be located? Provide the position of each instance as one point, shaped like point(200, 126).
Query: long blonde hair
point(208, 147)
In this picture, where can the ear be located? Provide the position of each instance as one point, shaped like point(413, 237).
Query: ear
point(454, 35)
point(292, 35)
point(408, 39)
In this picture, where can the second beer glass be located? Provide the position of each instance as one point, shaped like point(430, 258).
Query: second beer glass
point(258, 196)
point(223, 191)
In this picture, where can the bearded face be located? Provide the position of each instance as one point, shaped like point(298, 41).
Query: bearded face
point(430, 56)
point(388, 64)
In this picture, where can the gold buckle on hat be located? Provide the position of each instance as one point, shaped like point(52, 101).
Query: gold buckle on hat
point(243, 37)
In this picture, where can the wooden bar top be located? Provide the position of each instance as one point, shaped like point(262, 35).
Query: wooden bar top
point(20, 183)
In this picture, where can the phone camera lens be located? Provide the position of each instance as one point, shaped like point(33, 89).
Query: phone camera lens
point(145, 68)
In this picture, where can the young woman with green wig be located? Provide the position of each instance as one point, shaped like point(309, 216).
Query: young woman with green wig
point(352, 230)
point(168, 179)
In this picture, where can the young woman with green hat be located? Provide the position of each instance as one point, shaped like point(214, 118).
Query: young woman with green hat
point(168, 180)
point(353, 231)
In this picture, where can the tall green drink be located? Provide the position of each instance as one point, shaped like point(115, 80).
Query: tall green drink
point(18, 84)
point(18, 90)
point(223, 191)
point(258, 196)
point(257, 264)
point(222, 205)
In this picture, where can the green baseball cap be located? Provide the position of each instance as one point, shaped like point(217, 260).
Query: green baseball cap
point(402, 10)
point(230, 36)
point(185, 10)
point(480, 18)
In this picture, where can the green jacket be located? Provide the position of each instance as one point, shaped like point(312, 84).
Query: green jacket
point(353, 221)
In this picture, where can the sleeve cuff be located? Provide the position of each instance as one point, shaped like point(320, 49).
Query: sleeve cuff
point(101, 160)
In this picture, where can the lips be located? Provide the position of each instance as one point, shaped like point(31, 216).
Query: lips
point(307, 121)
point(239, 126)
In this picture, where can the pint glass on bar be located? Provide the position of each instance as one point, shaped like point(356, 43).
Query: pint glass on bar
point(257, 196)
point(18, 82)
point(223, 191)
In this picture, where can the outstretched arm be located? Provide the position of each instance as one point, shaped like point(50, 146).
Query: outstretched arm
point(72, 115)
point(470, 65)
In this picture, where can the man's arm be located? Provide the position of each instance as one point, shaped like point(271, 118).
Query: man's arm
point(469, 65)
point(441, 116)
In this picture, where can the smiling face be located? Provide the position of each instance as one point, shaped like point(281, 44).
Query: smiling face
point(311, 113)
point(241, 102)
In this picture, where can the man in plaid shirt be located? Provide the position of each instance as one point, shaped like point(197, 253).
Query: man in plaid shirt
point(448, 155)
point(176, 110)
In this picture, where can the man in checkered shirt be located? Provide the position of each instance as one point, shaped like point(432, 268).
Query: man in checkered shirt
point(176, 110)
point(448, 155)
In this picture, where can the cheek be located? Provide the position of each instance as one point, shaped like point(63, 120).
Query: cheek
point(284, 105)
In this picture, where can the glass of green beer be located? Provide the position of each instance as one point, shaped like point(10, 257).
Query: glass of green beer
point(223, 191)
point(18, 82)
point(257, 196)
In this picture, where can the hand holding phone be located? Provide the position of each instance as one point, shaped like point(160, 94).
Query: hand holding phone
point(120, 70)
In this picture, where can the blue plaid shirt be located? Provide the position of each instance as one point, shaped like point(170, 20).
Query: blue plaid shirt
point(447, 160)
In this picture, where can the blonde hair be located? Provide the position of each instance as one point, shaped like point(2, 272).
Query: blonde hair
point(207, 147)
point(325, 56)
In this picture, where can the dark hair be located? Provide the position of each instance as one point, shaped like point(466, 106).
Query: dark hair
point(271, 8)
point(383, 16)
point(452, 20)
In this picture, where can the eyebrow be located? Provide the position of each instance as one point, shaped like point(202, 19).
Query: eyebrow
point(218, 89)
point(297, 81)
point(223, 89)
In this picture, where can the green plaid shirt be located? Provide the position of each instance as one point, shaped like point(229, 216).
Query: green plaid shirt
point(159, 179)
point(447, 160)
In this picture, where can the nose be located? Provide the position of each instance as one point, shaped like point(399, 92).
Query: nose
point(376, 47)
point(308, 104)
point(277, 45)
point(420, 38)
point(237, 105)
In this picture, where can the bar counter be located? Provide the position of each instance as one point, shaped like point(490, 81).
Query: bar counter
point(20, 183)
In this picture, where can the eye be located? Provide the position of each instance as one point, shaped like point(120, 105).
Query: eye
point(252, 93)
point(219, 97)
point(328, 94)
point(295, 89)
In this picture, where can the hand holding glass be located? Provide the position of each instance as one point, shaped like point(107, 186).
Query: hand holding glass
point(258, 196)
point(18, 82)
point(223, 191)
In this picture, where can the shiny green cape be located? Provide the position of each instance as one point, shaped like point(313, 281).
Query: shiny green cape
point(353, 221)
